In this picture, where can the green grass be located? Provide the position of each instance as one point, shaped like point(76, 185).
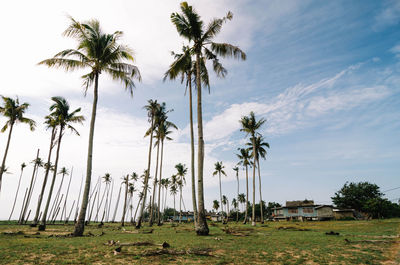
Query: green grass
point(260, 245)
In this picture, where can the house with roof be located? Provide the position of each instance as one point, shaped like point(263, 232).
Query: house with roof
point(303, 210)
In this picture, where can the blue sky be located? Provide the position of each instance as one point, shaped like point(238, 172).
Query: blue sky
point(325, 75)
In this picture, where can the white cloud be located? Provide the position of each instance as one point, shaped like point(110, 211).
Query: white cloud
point(388, 16)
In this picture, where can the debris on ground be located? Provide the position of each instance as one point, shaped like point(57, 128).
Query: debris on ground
point(331, 233)
point(292, 228)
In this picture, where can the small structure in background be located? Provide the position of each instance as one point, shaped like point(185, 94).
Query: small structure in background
point(304, 210)
point(339, 214)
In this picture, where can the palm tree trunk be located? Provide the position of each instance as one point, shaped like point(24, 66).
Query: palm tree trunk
point(220, 194)
point(237, 212)
point(16, 194)
point(137, 207)
point(253, 216)
point(259, 180)
point(146, 180)
point(174, 210)
point(42, 226)
point(154, 186)
point(109, 203)
point(53, 209)
point(192, 169)
point(80, 225)
point(180, 204)
point(124, 209)
point(3, 164)
point(247, 195)
point(117, 204)
point(23, 203)
point(159, 184)
point(202, 228)
point(21, 221)
point(77, 204)
point(64, 210)
point(46, 175)
point(106, 203)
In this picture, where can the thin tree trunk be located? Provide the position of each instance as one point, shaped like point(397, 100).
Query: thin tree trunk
point(64, 210)
point(106, 203)
point(137, 207)
point(3, 164)
point(237, 212)
point(116, 204)
point(91, 210)
point(101, 202)
point(70, 211)
point(30, 189)
point(58, 209)
point(77, 204)
point(247, 195)
point(16, 194)
point(174, 210)
point(55, 203)
point(80, 225)
point(159, 184)
point(53, 136)
point(253, 216)
point(202, 228)
point(23, 203)
point(220, 194)
point(146, 180)
point(124, 209)
point(192, 169)
point(154, 186)
point(180, 204)
point(109, 203)
point(261, 203)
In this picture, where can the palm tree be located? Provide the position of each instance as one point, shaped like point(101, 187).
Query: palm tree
point(181, 172)
point(244, 160)
point(191, 27)
point(152, 108)
point(185, 67)
point(235, 205)
point(219, 169)
point(131, 190)
point(101, 53)
point(236, 169)
point(260, 151)
point(250, 126)
point(107, 179)
point(63, 171)
point(225, 201)
point(14, 113)
point(174, 190)
point(165, 184)
point(50, 123)
point(61, 113)
point(126, 183)
point(215, 205)
point(242, 199)
point(23, 165)
point(162, 133)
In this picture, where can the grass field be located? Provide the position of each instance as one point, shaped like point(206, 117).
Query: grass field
point(368, 242)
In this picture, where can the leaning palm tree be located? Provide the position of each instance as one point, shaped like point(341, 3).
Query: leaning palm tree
point(260, 151)
point(60, 111)
point(101, 53)
point(219, 169)
point(244, 160)
point(14, 113)
point(23, 165)
point(152, 108)
point(181, 173)
point(50, 122)
point(250, 125)
point(190, 26)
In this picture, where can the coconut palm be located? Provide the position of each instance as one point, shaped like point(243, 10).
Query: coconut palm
point(225, 202)
point(162, 133)
point(165, 184)
point(242, 198)
point(14, 113)
point(181, 173)
point(244, 160)
point(101, 53)
point(126, 183)
point(185, 68)
point(236, 169)
point(190, 26)
point(250, 125)
point(153, 107)
point(50, 122)
point(131, 190)
point(174, 190)
point(219, 169)
point(216, 205)
point(107, 179)
point(60, 111)
point(64, 172)
point(23, 165)
point(260, 151)
point(235, 206)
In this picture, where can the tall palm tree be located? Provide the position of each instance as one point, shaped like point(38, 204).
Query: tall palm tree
point(242, 198)
point(190, 26)
point(174, 190)
point(107, 179)
point(219, 169)
point(225, 202)
point(60, 111)
point(126, 183)
point(50, 123)
point(23, 165)
point(235, 206)
point(152, 108)
point(260, 151)
point(216, 205)
point(185, 68)
point(244, 160)
point(166, 184)
point(162, 133)
point(101, 53)
point(181, 173)
point(14, 113)
point(236, 169)
point(250, 125)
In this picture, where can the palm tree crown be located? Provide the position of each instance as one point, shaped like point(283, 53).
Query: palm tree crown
point(14, 112)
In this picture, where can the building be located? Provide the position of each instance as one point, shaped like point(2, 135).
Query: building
point(303, 210)
point(343, 213)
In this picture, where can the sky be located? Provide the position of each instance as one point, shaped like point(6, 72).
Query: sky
point(325, 76)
